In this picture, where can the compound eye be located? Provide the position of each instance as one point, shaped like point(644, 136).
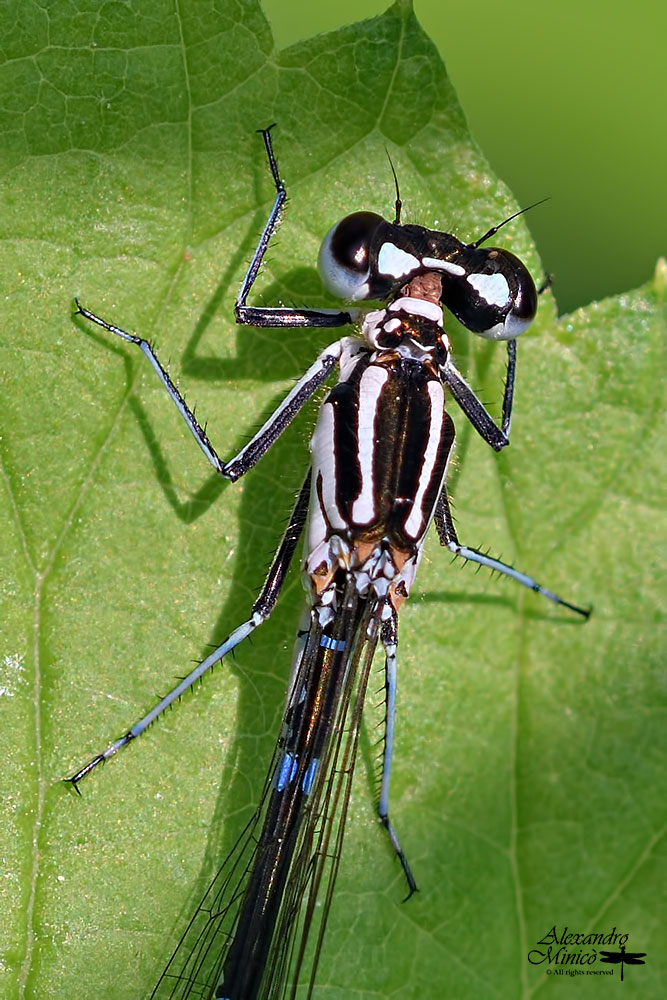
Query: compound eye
point(502, 297)
point(343, 260)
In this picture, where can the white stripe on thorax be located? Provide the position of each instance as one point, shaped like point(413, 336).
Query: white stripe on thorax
point(322, 447)
point(418, 307)
point(414, 526)
point(371, 385)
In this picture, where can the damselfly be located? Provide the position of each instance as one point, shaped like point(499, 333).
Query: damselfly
point(379, 459)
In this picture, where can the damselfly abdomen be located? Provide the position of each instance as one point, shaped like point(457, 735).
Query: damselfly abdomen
point(379, 459)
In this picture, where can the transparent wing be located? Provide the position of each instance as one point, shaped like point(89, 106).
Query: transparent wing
point(195, 968)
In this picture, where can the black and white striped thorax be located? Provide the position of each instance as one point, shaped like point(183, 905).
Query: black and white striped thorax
point(380, 451)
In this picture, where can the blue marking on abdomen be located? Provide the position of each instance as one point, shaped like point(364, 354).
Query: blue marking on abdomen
point(330, 643)
point(309, 776)
point(286, 771)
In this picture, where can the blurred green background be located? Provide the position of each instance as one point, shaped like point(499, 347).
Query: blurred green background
point(566, 100)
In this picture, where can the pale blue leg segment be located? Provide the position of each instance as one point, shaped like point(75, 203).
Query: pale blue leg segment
point(526, 581)
point(261, 610)
point(389, 640)
point(447, 534)
point(233, 640)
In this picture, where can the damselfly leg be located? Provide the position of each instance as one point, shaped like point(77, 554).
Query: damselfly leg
point(261, 610)
point(379, 456)
point(447, 534)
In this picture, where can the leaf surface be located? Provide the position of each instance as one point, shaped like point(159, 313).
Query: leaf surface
point(530, 755)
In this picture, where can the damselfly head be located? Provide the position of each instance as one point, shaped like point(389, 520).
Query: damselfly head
point(489, 290)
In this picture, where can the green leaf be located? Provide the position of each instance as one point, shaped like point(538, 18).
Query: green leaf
point(530, 758)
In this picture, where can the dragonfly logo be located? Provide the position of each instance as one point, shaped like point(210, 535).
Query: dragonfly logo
point(623, 958)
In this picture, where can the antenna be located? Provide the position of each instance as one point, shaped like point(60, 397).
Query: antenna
point(494, 229)
point(398, 204)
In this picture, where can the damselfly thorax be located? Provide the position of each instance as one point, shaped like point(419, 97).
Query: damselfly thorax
point(380, 451)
